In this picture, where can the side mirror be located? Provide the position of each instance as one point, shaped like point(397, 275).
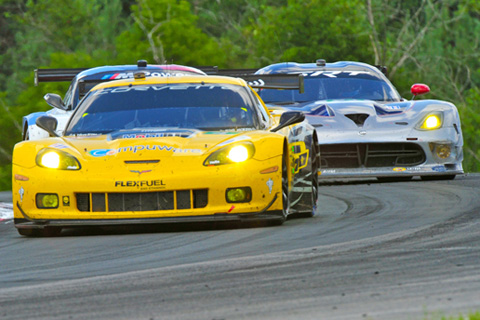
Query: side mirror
point(288, 118)
point(48, 124)
point(418, 89)
point(55, 101)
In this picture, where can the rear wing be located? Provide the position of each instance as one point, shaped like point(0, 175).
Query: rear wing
point(56, 75)
point(260, 81)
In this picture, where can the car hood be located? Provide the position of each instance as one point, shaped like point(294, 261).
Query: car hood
point(364, 120)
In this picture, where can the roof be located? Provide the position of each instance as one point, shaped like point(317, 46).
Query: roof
point(170, 80)
point(119, 69)
point(294, 67)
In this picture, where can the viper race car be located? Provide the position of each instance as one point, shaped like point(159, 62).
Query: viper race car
point(82, 80)
point(163, 150)
point(365, 128)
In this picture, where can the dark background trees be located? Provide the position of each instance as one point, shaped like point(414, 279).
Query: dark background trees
point(430, 41)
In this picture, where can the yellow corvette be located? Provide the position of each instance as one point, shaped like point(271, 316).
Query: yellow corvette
point(163, 150)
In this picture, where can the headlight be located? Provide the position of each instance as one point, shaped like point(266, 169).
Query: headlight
point(56, 159)
point(235, 153)
point(431, 122)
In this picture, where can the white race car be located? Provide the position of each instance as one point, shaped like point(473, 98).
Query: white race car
point(365, 128)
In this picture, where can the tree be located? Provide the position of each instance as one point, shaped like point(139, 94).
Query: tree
point(165, 31)
point(306, 30)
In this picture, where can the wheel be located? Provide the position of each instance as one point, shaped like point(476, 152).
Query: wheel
point(436, 178)
point(394, 179)
point(45, 232)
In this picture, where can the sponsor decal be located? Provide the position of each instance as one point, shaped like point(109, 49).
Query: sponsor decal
point(439, 169)
point(135, 149)
point(140, 134)
point(180, 87)
point(256, 83)
point(140, 171)
point(151, 135)
point(220, 132)
point(415, 169)
point(21, 192)
point(130, 75)
point(299, 156)
point(362, 133)
point(66, 201)
point(334, 74)
point(140, 184)
point(399, 169)
point(270, 185)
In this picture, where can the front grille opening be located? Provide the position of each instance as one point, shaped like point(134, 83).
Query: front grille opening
point(370, 155)
point(183, 199)
point(98, 202)
point(83, 202)
point(142, 201)
point(200, 198)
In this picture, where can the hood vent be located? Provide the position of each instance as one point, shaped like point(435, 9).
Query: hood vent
point(358, 118)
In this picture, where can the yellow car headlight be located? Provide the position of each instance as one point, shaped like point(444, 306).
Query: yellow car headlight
point(431, 122)
point(57, 159)
point(239, 152)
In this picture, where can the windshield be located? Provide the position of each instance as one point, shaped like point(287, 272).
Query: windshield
point(194, 106)
point(333, 86)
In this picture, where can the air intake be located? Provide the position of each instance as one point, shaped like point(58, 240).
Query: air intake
point(358, 118)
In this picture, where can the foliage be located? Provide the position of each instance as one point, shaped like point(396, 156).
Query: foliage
point(306, 30)
point(165, 31)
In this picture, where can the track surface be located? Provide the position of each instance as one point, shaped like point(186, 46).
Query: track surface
point(374, 251)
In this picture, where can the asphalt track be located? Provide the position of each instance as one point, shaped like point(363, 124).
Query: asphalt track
point(406, 250)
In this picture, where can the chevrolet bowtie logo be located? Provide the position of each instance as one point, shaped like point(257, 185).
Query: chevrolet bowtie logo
point(140, 172)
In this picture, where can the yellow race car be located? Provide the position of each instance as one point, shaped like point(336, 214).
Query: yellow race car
point(162, 150)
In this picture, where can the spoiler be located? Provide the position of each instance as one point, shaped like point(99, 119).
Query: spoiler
point(56, 75)
point(260, 81)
